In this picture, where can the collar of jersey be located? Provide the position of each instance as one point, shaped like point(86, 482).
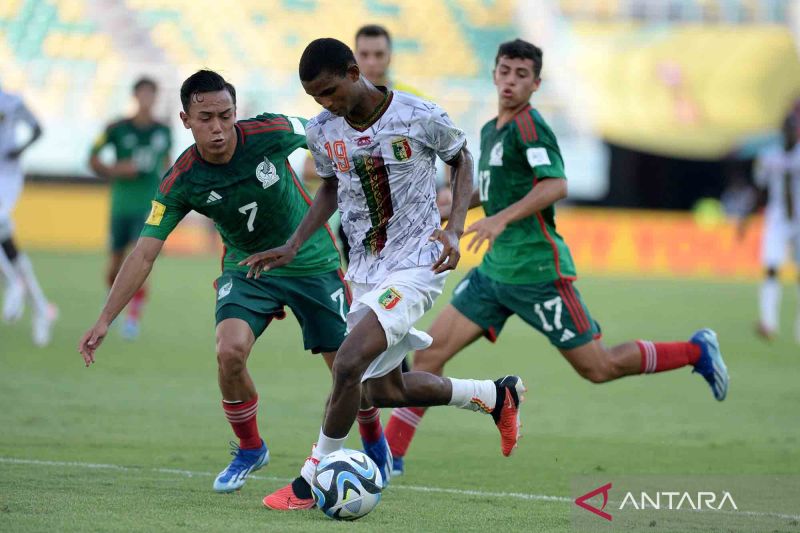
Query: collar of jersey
point(377, 114)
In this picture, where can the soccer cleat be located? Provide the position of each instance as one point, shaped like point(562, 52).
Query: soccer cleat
point(379, 452)
point(710, 365)
point(764, 332)
point(286, 500)
point(43, 325)
point(14, 302)
point(398, 466)
point(244, 462)
point(130, 329)
point(506, 411)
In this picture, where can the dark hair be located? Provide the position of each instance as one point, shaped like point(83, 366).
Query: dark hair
point(374, 30)
point(325, 55)
point(519, 49)
point(204, 81)
point(144, 81)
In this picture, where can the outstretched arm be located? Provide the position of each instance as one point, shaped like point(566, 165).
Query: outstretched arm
point(542, 195)
point(321, 209)
point(131, 277)
point(461, 179)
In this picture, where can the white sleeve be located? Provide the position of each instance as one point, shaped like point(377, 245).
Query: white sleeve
point(314, 140)
point(761, 170)
point(442, 135)
point(24, 114)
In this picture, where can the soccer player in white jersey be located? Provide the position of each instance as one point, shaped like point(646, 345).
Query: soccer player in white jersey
point(778, 171)
point(376, 152)
point(15, 265)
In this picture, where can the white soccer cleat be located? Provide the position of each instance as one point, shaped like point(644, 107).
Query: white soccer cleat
point(43, 325)
point(14, 302)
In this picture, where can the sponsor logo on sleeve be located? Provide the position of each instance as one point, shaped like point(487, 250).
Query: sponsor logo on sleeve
point(390, 298)
point(537, 157)
point(156, 214)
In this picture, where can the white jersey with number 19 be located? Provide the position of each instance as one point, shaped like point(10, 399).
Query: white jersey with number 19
point(387, 181)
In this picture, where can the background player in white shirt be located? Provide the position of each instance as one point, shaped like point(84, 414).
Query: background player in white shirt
point(15, 265)
point(778, 171)
point(376, 151)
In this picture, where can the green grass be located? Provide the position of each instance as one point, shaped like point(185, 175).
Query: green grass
point(154, 405)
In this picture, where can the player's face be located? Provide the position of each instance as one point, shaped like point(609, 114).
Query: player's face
point(373, 55)
point(515, 81)
point(334, 93)
point(145, 97)
point(211, 118)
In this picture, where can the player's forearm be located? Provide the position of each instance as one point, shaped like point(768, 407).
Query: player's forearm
point(544, 194)
point(101, 170)
point(461, 180)
point(322, 208)
point(131, 277)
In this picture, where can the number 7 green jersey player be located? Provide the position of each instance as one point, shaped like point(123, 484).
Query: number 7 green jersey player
point(238, 174)
point(528, 270)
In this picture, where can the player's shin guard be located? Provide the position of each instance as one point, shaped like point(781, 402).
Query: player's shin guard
point(242, 418)
point(401, 428)
point(662, 356)
point(473, 394)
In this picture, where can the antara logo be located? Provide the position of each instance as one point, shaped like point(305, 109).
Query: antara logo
point(580, 501)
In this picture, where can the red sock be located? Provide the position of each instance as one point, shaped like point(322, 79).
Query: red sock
point(242, 417)
point(135, 307)
point(369, 424)
point(661, 356)
point(401, 427)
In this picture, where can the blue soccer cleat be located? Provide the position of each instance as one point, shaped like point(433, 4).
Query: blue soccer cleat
point(244, 462)
point(379, 452)
point(710, 365)
point(398, 466)
point(130, 329)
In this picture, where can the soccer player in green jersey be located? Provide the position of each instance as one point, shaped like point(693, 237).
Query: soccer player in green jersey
point(238, 174)
point(141, 152)
point(528, 269)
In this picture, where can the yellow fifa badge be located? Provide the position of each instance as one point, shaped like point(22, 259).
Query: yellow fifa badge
point(156, 214)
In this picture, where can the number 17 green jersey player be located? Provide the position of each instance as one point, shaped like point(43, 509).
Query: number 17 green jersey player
point(528, 269)
point(238, 174)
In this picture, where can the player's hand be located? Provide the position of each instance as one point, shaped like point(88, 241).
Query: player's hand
point(125, 169)
point(263, 261)
point(91, 340)
point(486, 229)
point(451, 254)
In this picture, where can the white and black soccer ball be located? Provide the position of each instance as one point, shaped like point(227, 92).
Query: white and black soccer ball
point(347, 485)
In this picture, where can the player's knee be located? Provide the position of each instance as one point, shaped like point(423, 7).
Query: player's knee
point(346, 372)
point(772, 272)
point(232, 356)
point(599, 373)
point(382, 396)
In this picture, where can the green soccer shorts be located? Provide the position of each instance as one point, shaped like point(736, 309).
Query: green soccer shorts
point(554, 308)
point(320, 302)
point(125, 229)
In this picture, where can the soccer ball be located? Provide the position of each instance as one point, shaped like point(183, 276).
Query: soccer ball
point(347, 485)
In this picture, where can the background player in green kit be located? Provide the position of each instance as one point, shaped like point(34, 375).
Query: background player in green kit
point(528, 269)
point(238, 174)
point(141, 153)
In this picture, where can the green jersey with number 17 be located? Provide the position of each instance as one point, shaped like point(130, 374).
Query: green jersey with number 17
point(513, 159)
point(255, 200)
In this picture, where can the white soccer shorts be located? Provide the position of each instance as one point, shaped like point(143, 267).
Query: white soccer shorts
point(399, 300)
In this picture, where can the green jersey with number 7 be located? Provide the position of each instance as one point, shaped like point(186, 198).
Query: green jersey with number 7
point(255, 200)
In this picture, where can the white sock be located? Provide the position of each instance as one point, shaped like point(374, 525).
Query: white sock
point(769, 301)
point(25, 269)
point(7, 269)
point(474, 394)
point(325, 446)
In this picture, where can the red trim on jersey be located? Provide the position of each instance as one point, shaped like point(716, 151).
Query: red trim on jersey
point(547, 236)
point(263, 128)
point(182, 165)
point(567, 294)
point(581, 311)
point(308, 201)
point(526, 125)
point(347, 294)
point(252, 123)
point(490, 334)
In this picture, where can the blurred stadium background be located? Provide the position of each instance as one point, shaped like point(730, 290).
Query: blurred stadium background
point(657, 104)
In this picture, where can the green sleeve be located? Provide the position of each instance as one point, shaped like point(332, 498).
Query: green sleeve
point(167, 210)
point(102, 140)
point(541, 154)
point(281, 134)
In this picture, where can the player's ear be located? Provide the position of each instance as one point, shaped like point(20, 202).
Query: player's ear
point(536, 83)
point(353, 72)
point(185, 120)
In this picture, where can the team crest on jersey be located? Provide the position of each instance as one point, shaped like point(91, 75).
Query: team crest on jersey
point(266, 173)
point(401, 148)
point(496, 155)
point(390, 298)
